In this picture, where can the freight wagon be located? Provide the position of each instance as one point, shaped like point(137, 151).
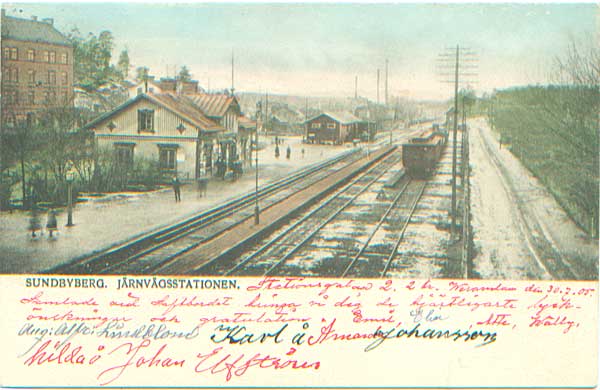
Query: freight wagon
point(421, 154)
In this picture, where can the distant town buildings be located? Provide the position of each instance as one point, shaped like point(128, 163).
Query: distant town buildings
point(37, 68)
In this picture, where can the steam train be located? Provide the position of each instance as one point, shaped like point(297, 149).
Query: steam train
point(421, 154)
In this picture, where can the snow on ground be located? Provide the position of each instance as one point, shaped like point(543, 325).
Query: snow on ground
point(502, 232)
point(102, 222)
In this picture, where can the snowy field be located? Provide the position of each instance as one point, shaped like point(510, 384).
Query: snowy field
point(520, 231)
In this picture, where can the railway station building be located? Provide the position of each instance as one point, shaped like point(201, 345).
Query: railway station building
point(224, 109)
point(162, 127)
point(332, 127)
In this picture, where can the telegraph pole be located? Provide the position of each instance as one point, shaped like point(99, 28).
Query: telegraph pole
point(386, 82)
point(377, 85)
point(454, 131)
point(355, 87)
point(456, 55)
point(256, 208)
point(232, 88)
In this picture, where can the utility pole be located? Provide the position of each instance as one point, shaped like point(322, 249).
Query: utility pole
point(232, 85)
point(386, 82)
point(452, 59)
point(256, 208)
point(454, 131)
point(355, 87)
point(266, 112)
point(377, 85)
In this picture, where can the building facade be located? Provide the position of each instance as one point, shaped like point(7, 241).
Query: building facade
point(37, 68)
point(166, 128)
point(225, 110)
point(335, 128)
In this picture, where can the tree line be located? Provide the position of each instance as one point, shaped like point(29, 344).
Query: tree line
point(38, 154)
point(554, 130)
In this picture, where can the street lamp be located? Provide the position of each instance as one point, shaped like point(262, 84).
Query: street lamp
point(70, 178)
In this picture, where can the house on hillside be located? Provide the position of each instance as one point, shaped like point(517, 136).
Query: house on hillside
point(37, 68)
point(163, 85)
point(285, 120)
point(167, 128)
point(330, 127)
point(148, 86)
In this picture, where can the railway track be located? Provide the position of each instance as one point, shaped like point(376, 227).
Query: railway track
point(148, 251)
point(278, 255)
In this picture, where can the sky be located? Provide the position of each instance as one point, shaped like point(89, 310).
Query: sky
point(318, 49)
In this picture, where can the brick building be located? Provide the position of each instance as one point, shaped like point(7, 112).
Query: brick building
point(37, 67)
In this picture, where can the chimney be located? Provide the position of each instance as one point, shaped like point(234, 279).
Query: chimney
point(34, 18)
point(50, 21)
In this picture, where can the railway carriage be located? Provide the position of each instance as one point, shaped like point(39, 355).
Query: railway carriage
point(421, 154)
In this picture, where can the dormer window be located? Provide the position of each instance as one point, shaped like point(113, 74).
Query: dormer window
point(145, 120)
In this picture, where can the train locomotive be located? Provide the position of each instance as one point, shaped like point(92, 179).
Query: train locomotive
point(421, 154)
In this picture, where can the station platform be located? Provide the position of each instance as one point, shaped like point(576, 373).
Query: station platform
point(248, 232)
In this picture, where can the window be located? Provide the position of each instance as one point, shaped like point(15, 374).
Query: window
point(331, 125)
point(12, 74)
point(10, 97)
point(64, 78)
point(31, 98)
point(315, 125)
point(145, 120)
point(9, 120)
point(168, 158)
point(51, 77)
point(124, 154)
point(53, 57)
point(45, 56)
point(10, 53)
point(63, 58)
point(31, 76)
point(30, 55)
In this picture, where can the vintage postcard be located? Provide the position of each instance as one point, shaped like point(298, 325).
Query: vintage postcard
point(299, 194)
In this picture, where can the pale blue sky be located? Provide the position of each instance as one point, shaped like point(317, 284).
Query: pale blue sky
point(317, 49)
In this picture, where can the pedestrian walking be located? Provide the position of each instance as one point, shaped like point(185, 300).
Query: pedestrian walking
point(202, 186)
point(177, 189)
point(51, 224)
point(288, 152)
point(34, 221)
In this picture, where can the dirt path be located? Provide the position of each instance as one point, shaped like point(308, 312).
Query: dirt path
point(520, 231)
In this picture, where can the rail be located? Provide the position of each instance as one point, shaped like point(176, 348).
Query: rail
point(146, 243)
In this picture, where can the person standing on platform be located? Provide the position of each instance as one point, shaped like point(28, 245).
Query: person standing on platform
point(52, 224)
point(34, 221)
point(288, 152)
point(276, 151)
point(177, 189)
